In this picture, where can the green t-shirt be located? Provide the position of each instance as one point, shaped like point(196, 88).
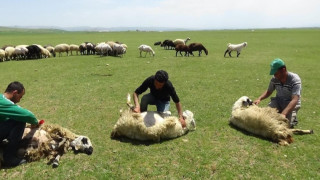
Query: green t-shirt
point(10, 110)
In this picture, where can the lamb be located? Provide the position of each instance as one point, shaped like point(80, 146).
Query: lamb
point(181, 41)
point(60, 48)
point(151, 125)
point(185, 48)
point(147, 49)
point(265, 122)
point(235, 47)
point(197, 47)
point(50, 141)
point(75, 48)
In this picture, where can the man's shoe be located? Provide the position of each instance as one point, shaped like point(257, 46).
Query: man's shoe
point(15, 162)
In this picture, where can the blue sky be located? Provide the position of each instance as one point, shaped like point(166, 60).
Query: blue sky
point(195, 14)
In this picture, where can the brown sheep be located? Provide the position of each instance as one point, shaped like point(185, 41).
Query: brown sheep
point(182, 47)
point(197, 47)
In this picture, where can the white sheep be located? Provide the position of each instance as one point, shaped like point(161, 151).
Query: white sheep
point(265, 122)
point(151, 125)
point(9, 52)
point(20, 52)
point(2, 55)
point(235, 47)
point(60, 48)
point(118, 49)
point(181, 41)
point(44, 52)
point(75, 48)
point(147, 49)
point(103, 49)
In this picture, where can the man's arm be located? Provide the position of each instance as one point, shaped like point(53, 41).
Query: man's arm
point(291, 105)
point(263, 96)
point(18, 113)
point(136, 103)
point(181, 119)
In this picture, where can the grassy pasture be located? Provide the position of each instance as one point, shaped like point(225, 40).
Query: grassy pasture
point(85, 94)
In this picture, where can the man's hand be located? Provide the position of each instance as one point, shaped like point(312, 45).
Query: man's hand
point(182, 121)
point(136, 109)
point(257, 101)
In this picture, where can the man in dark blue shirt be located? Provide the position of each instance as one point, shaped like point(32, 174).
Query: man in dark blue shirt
point(161, 89)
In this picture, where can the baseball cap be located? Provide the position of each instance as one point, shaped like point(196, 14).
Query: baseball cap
point(275, 65)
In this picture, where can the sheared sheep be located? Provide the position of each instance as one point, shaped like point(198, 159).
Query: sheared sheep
point(197, 47)
point(181, 41)
point(235, 47)
point(147, 49)
point(265, 122)
point(51, 142)
point(103, 49)
point(151, 125)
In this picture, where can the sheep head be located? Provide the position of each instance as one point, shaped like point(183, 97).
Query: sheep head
point(190, 122)
point(242, 102)
point(82, 144)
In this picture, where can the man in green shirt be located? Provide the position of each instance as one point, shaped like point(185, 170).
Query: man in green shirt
point(13, 119)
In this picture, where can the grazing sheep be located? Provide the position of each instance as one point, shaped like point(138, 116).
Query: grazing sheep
point(235, 47)
point(185, 48)
point(147, 49)
point(168, 44)
point(118, 50)
point(181, 41)
point(34, 52)
point(82, 48)
point(50, 49)
point(9, 52)
point(151, 125)
point(2, 55)
point(90, 48)
point(51, 142)
point(75, 48)
point(103, 49)
point(20, 52)
point(157, 43)
point(197, 47)
point(265, 122)
point(60, 48)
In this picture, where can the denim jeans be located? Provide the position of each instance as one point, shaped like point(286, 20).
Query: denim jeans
point(147, 99)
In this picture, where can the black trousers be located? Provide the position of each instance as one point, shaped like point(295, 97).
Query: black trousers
point(12, 131)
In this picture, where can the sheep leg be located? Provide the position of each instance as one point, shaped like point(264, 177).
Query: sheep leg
point(238, 53)
point(225, 52)
point(180, 53)
point(230, 53)
point(176, 53)
point(56, 160)
point(300, 131)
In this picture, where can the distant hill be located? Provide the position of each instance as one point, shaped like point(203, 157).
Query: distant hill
point(45, 29)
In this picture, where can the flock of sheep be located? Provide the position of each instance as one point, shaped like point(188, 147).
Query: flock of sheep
point(109, 48)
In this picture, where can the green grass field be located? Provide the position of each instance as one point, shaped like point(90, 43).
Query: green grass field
point(85, 94)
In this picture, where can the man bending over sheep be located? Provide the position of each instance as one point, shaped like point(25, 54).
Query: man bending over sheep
point(160, 91)
point(13, 120)
point(288, 87)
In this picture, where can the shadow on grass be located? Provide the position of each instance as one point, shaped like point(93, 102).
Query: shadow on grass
point(139, 142)
point(249, 133)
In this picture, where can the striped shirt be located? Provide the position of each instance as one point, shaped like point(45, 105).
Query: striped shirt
point(285, 91)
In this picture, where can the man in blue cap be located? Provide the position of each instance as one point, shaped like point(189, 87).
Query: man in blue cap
point(288, 87)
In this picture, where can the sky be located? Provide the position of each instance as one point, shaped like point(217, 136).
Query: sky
point(188, 14)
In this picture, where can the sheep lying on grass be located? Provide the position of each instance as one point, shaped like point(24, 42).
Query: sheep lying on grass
point(265, 122)
point(151, 125)
point(235, 47)
point(51, 142)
